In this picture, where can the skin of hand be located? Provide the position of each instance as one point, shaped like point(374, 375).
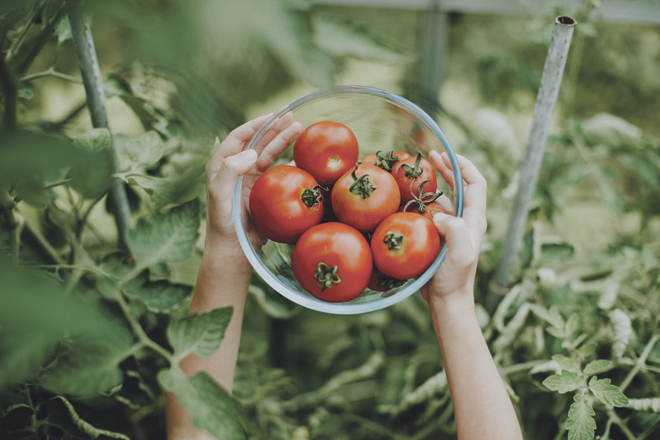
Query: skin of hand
point(224, 273)
point(482, 407)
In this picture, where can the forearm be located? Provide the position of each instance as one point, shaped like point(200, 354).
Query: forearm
point(223, 280)
point(482, 406)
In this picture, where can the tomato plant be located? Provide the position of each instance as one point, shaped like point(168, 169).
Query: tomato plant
point(365, 196)
point(404, 245)
point(285, 201)
point(332, 261)
point(411, 173)
point(386, 160)
point(326, 150)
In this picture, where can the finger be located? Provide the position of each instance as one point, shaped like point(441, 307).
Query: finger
point(222, 186)
point(476, 188)
point(273, 131)
point(457, 237)
point(278, 145)
point(234, 143)
point(444, 170)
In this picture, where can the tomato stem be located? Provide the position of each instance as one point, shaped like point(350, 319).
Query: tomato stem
point(423, 199)
point(393, 241)
point(326, 276)
point(413, 171)
point(389, 283)
point(312, 196)
point(387, 160)
point(361, 185)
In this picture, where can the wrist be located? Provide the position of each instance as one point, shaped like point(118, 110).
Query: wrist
point(226, 256)
point(457, 303)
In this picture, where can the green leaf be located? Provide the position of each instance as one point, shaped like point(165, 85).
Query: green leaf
point(563, 383)
point(84, 426)
point(572, 324)
point(552, 316)
point(147, 150)
point(91, 367)
point(35, 314)
point(340, 39)
point(587, 349)
point(209, 405)
point(565, 363)
point(25, 94)
point(93, 141)
point(557, 333)
point(623, 331)
point(607, 393)
point(199, 333)
point(169, 237)
point(63, 30)
point(580, 423)
point(160, 296)
point(164, 190)
point(596, 366)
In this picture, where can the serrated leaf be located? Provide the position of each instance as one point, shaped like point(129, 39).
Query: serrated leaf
point(86, 427)
point(572, 324)
point(63, 30)
point(645, 405)
point(587, 349)
point(160, 296)
point(199, 333)
point(563, 383)
point(209, 405)
point(169, 237)
point(596, 366)
point(164, 190)
point(94, 140)
point(607, 393)
point(93, 178)
point(623, 331)
point(565, 363)
point(580, 423)
point(91, 367)
point(341, 39)
point(147, 150)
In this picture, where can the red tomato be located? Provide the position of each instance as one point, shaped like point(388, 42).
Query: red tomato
point(385, 161)
point(326, 150)
point(404, 245)
point(285, 201)
point(428, 210)
point(365, 196)
point(414, 171)
point(332, 261)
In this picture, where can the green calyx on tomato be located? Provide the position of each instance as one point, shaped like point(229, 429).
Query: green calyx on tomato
point(389, 283)
point(312, 196)
point(326, 276)
point(423, 199)
point(393, 241)
point(386, 160)
point(361, 185)
point(413, 171)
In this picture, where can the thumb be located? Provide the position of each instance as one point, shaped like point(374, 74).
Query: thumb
point(232, 167)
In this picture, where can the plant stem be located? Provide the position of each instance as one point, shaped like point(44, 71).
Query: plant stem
point(621, 424)
point(55, 184)
point(145, 340)
point(640, 362)
point(91, 74)
point(10, 95)
point(55, 74)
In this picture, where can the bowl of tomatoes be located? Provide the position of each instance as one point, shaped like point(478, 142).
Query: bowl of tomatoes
point(347, 207)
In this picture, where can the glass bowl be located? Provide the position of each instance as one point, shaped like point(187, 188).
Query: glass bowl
point(381, 120)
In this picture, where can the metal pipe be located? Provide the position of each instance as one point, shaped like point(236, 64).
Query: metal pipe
point(545, 104)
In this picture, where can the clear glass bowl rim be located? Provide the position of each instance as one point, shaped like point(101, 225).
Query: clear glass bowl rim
point(346, 308)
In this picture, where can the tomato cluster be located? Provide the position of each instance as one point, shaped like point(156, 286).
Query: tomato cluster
point(354, 224)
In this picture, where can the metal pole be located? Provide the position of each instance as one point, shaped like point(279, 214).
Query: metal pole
point(93, 81)
point(545, 103)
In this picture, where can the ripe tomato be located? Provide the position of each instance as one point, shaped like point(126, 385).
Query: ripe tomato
point(404, 245)
point(332, 261)
point(326, 150)
point(285, 201)
point(365, 196)
point(385, 161)
point(428, 210)
point(410, 173)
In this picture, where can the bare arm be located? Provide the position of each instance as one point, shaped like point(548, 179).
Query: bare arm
point(224, 273)
point(482, 407)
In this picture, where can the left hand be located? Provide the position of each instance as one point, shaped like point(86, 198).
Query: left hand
point(231, 161)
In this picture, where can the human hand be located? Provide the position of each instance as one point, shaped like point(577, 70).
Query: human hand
point(231, 161)
point(463, 235)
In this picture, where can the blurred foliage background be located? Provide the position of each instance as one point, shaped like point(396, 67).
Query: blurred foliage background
point(79, 327)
